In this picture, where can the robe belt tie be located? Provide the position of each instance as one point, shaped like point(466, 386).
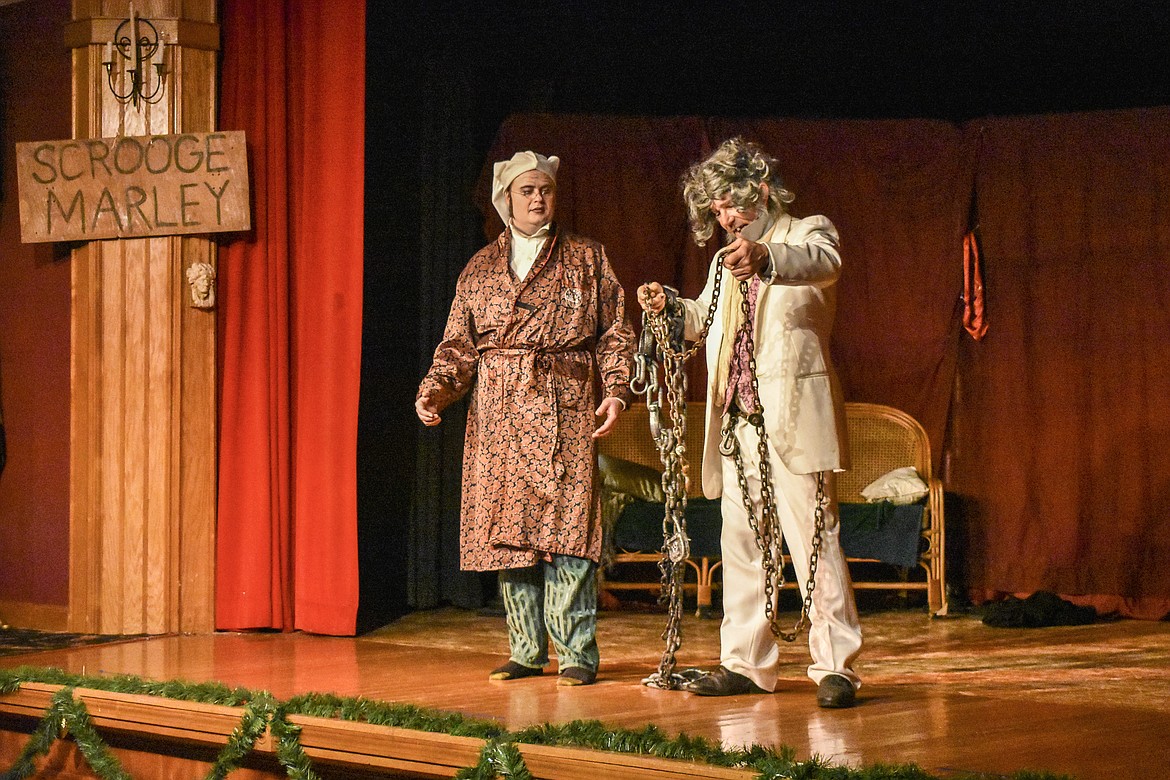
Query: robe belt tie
point(538, 367)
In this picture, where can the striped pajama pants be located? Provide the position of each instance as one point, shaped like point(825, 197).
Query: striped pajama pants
point(556, 600)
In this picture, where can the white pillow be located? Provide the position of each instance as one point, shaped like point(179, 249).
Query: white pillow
point(900, 486)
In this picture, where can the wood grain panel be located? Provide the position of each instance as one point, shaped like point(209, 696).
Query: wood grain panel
point(161, 444)
point(143, 412)
point(350, 745)
point(194, 395)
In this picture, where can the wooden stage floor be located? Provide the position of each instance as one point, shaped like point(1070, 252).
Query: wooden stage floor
point(950, 695)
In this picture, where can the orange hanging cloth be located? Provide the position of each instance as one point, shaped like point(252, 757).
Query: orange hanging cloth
point(974, 319)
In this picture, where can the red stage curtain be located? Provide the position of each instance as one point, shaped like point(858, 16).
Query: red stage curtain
point(1061, 421)
point(290, 318)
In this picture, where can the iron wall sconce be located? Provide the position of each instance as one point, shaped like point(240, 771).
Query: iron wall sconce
point(137, 52)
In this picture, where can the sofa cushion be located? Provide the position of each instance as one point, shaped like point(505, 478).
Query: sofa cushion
point(633, 479)
point(640, 526)
point(886, 532)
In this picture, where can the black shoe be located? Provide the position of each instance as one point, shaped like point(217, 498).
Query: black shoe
point(835, 692)
point(576, 675)
point(722, 682)
point(514, 671)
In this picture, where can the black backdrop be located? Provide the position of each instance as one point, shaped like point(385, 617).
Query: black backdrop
point(442, 77)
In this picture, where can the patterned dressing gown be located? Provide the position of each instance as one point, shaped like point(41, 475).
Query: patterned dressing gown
point(532, 353)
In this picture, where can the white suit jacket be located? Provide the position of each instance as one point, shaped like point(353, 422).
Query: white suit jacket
point(804, 414)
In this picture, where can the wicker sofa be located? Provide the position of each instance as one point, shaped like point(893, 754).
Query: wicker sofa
point(885, 545)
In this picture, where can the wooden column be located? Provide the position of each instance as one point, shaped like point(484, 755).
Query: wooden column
point(143, 449)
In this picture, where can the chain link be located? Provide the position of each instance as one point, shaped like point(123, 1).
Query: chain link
point(766, 528)
point(671, 445)
point(676, 542)
point(660, 326)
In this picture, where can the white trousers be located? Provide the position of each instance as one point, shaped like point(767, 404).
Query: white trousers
point(747, 645)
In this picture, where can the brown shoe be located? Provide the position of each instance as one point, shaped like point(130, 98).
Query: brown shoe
point(576, 675)
point(722, 682)
point(514, 671)
point(835, 692)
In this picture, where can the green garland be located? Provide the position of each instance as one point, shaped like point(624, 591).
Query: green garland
point(67, 714)
point(499, 758)
point(288, 746)
point(253, 724)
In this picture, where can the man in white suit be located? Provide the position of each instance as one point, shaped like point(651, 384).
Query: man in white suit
point(790, 394)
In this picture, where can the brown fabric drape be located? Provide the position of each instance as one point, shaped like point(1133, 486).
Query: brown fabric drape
point(898, 191)
point(1061, 420)
point(290, 319)
point(618, 183)
point(1049, 432)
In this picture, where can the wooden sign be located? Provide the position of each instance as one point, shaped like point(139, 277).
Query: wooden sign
point(131, 187)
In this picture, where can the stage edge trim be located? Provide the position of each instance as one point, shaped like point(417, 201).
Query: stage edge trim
point(348, 743)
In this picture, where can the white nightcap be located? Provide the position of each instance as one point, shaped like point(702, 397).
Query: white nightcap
point(506, 171)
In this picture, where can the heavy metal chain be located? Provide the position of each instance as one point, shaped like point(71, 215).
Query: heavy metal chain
point(671, 445)
point(657, 339)
point(766, 527)
point(676, 550)
point(660, 326)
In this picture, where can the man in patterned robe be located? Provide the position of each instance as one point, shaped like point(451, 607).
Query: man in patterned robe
point(537, 324)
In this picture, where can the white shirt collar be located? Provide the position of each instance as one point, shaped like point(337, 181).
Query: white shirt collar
point(541, 232)
point(525, 249)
